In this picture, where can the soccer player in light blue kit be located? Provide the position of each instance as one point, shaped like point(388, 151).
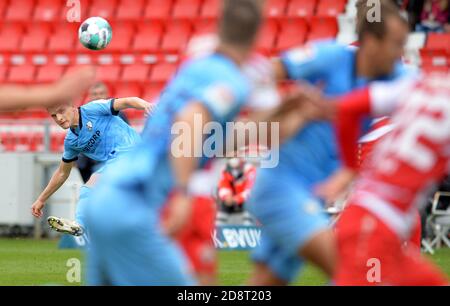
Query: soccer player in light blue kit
point(129, 245)
point(96, 131)
point(294, 224)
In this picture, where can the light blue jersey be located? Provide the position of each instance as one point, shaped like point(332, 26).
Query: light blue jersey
point(101, 134)
point(313, 151)
point(132, 191)
point(282, 198)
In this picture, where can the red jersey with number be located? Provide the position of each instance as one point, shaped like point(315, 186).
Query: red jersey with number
point(411, 158)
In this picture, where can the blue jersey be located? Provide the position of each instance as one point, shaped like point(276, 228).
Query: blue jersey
point(312, 152)
point(214, 81)
point(101, 135)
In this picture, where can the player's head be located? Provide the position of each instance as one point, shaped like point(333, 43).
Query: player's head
point(64, 114)
point(98, 91)
point(382, 33)
point(239, 25)
point(235, 167)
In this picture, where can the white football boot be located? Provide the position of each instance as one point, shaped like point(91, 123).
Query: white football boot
point(65, 226)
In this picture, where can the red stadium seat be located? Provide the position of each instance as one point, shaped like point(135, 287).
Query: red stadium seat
point(186, 9)
point(21, 74)
point(3, 71)
point(108, 73)
point(36, 39)
point(267, 35)
point(19, 10)
point(210, 9)
point(135, 73)
point(205, 26)
point(122, 36)
point(57, 142)
point(433, 56)
point(148, 38)
point(36, 142)
point(103, 8)
point(302, 8)
point(127, 90)
point(49, 73)
point(3, 5)
point(152, 92)
point(35, 114)
point(157, 9)
point(275, 8)
point(293, 33)
point(323, 28)
point(438, 41)
point(10, 37)
point(47, 10)
point(436, 69)
point(63, 39)
point(162, 72)
point(8, 141)
point(331, 7)
point(176, 36)
point(130, 9)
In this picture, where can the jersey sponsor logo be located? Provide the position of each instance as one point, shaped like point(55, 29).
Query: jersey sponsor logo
point(92, 142)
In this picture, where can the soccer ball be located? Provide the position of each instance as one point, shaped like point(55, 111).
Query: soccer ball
point(95, 33)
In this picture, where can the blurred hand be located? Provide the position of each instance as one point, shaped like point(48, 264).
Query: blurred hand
point(36, 208)
point(179, 211)
point(336, 185)
point(313, 105)
point(72, 86)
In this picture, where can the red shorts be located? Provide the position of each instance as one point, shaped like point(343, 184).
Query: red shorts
point(370, 253)
point(195, 238)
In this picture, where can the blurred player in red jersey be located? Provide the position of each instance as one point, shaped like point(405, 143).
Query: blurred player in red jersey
point(404, 166)
point(234, 188)
point(195, 237)
point(379, 128)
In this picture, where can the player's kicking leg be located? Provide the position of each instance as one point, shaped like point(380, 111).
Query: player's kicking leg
point(77, 227)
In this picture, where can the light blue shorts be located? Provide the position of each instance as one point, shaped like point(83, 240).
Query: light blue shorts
point(127, 246)
point(290, 217)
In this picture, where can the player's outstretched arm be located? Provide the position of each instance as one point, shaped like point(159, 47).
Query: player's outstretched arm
point(70, 87)
point(134, 102)
point(295, 111)
point(59, 177)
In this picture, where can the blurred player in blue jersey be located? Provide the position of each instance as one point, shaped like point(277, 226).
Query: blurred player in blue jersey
point(129, 245)
point(294, 224)
point(95, 131)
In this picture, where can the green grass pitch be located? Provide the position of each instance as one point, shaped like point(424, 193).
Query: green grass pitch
point(32, 262)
